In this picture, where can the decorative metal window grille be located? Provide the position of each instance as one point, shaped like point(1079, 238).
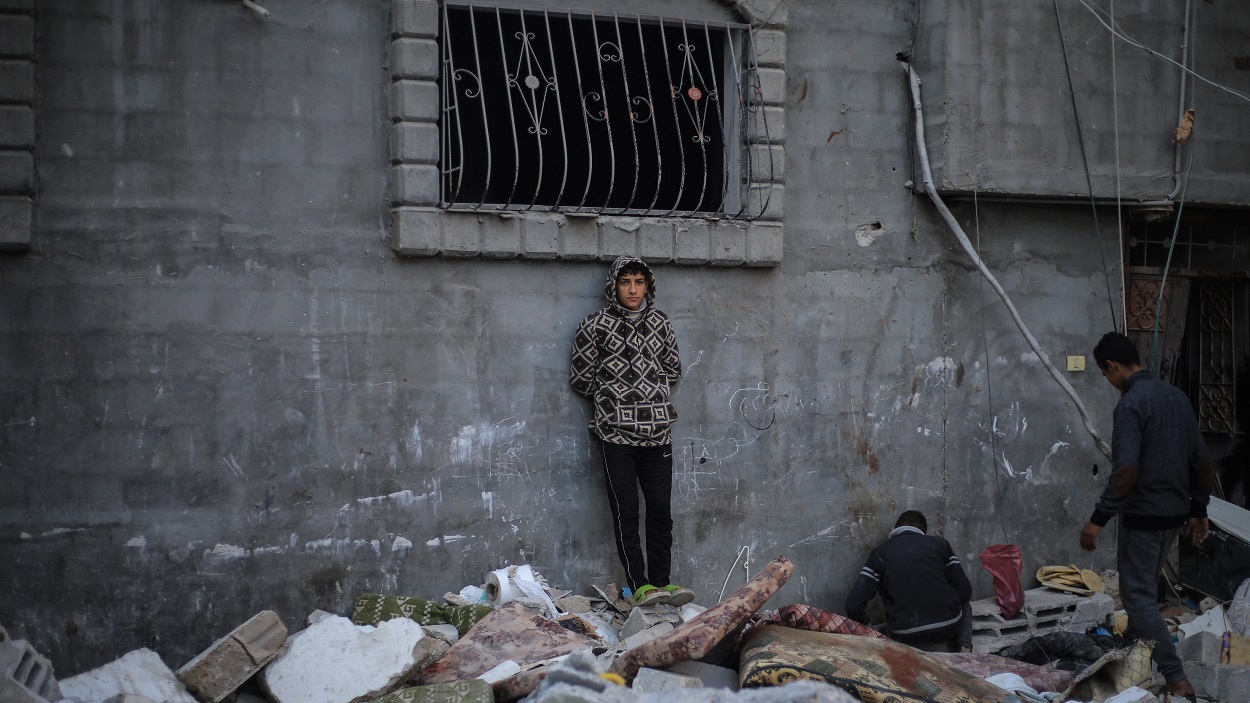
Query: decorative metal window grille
point(1217, 362)
point(597, 114)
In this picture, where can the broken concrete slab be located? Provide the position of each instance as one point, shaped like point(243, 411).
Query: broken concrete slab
point(696, 638)
point(1212, 621)
point(654, 680)
point(445, 632)
point(511, 632)
point(711, 675)
point(335, 661)
point(25, 675)
point(640, 638)
point(140, 673)
point(573, 604)
point(235, 658)
point(1221, 682)
point(646, 616)
point(129, 698)
point(690, 610)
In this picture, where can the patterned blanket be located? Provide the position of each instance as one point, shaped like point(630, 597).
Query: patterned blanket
point(805, 617)
point(373, 608)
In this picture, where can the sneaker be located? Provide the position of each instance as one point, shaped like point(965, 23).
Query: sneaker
point(679, 595)
point(650, 595)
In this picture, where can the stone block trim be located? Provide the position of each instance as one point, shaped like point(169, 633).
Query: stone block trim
point(419, 228)
point(429, 231)
point(18, 177)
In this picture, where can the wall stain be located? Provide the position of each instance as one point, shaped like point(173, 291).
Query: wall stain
point(865, 452)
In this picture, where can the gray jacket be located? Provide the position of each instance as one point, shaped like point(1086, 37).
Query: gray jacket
point(1161, 473)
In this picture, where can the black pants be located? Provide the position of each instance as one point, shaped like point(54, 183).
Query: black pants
point(651, 468)
point(952, 638)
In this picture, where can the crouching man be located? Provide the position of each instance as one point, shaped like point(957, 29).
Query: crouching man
point(923, 586)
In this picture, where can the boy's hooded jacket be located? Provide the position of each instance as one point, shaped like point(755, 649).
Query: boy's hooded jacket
point(627, 363)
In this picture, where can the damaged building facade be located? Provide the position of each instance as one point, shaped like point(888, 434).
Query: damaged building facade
point(288, 299)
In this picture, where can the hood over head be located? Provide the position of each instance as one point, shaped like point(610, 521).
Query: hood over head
point(609, 288)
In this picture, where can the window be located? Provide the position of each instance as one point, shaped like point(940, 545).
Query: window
point(593, 113)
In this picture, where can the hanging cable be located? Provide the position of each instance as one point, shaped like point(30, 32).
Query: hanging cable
point(746, 565)
point(1119, 34)
point(1168, 264)
point(989, 387)
point(1089, 181)
point(922, 152)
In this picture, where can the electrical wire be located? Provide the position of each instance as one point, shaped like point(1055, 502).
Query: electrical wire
point(1089, 180)
point(989, 387)
point(1168, 264)
point(745, 548)
point(1129, 40)
point(921, 149)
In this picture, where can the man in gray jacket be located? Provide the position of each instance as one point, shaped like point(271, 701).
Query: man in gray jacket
point(1160, 482)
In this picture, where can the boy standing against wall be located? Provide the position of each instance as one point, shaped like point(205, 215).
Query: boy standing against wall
point(625, 361)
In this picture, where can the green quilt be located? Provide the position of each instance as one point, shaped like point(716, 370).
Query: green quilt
point(470, 691)
point(373, 608)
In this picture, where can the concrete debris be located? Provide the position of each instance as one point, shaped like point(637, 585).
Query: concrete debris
point(1044, 611)
point(648, 616)
point(640, 638)
point(1133, 694)
point(1239, 610)
point(1212, 621)
point(139, 673)
point(25, 676)
point(129, 698)
point(649, 680)
point(573, 604)
point(500, 671)
point(335, 661)
point(235, 658)
point(1220, 682)
point(1201, 648)
point(690, 610)
point(446, 633)
point(711, 675)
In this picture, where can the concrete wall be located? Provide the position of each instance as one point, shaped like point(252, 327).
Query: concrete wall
point(1002, 112)
point(221, 391)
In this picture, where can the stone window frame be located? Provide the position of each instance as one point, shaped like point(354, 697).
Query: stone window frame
point(419, 228)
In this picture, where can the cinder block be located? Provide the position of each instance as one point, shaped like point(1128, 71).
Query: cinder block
point(414, 185)
point(25, 676)
point(655, 241)
point(501, 236)
point(729, 243)
point(767, 201)
point(540, 236)
point(618, 236)
point(653, 680)
point(17, 171)
point(17, 36)
point(414, 18)
point(17, 81)
point(691, 242)
point(233, 659)
point(414, 101)
point(17, 127)
point(770, 47)
point(1220, 682)
point(415, 231)
point(1200, 648)
point(414, 143)
point(15, 222)
point(765, 244)
point(414, 58)
point(772, 87)
point(462, 234)
point(768, 163)
point(1091, 611)
point(579, 239)
point(767, 125)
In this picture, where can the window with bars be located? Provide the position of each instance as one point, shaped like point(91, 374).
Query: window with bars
point(596, 114)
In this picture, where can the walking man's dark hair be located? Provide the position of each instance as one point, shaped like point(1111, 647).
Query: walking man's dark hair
point(913, 518)
point(1118, 348)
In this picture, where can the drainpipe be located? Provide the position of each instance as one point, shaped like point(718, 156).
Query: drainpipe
point(964, 242)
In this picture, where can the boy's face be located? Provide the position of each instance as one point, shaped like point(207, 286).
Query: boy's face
point(631, 289)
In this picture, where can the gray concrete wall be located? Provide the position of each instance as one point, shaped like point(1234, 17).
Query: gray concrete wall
point(1001, 106)
point(222, 391)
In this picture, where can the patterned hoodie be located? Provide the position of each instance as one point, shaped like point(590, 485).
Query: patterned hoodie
point(627, 363)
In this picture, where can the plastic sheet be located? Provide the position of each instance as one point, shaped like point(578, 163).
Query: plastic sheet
point(1004, 564)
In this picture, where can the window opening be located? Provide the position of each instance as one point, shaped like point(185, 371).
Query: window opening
point(593, 113)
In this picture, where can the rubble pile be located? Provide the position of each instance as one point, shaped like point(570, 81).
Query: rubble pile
point(517, 638)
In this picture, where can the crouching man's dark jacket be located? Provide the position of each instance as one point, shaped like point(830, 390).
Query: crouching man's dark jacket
point(921, 581)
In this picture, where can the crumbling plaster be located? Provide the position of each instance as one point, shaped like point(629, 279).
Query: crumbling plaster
point(223, 392)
